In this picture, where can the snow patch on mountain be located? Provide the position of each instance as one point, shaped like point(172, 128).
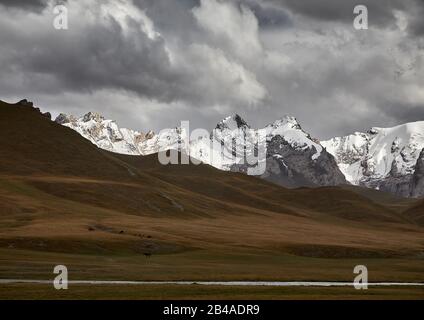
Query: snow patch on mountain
point(289, 128)
point(104, 133)
point(378, 154)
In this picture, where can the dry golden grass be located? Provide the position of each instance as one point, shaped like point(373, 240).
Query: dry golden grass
point(196, 292)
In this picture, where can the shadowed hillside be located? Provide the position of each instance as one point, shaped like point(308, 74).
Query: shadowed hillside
point(416, 212)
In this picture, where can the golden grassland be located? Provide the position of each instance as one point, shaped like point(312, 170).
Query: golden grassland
point(199, 292)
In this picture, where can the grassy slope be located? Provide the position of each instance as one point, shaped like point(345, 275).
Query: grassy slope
point(196, 292)
point(416, 212)
point(62, 200)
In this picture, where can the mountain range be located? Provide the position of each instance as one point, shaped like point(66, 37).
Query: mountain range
point(386, 159)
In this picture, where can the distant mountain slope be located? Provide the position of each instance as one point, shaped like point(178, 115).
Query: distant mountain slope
point(293, 159)
point(382, 158)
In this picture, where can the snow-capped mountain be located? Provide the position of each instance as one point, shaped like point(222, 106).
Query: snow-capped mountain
point(104, 133)
point(294, 158)
point(293, 134)
point(232, 141)
point(107, 135)
point(382, 158)
point(291, 157)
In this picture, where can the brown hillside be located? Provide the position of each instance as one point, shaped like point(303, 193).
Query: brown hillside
point(64, 200)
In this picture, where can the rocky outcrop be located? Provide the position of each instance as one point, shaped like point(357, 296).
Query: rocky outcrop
point(294, 167)
point(299, 168)
point(295, 159)
point(404, 185)
point(63, 119)
point(29, 104)
point(398, 185)
point(48, 115)
point(25, 103)
point(93, 116)
point(417, 185)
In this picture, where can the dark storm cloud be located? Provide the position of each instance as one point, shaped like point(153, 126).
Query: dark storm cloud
point(96, 56)
point(153, 62)
point(24, 4)
point(173, 17)
point(416, 26)
point(125, 53)
point(380, 11)
point(269, 16)
point(404, 112)
point(104, 59)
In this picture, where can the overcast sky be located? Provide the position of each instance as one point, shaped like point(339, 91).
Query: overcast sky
point(150, 63)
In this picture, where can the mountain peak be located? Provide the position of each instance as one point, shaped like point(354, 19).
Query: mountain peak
point(232, 122)
point(64, 118)
point(93, 116)
point(25, 102)
point(287, 121)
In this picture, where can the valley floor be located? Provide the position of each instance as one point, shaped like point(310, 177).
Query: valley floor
point(198, 292)
point(204, 265)
point(57, 223)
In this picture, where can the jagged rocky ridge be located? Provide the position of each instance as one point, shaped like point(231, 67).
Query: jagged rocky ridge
point(293, 158)
point(417, 185)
